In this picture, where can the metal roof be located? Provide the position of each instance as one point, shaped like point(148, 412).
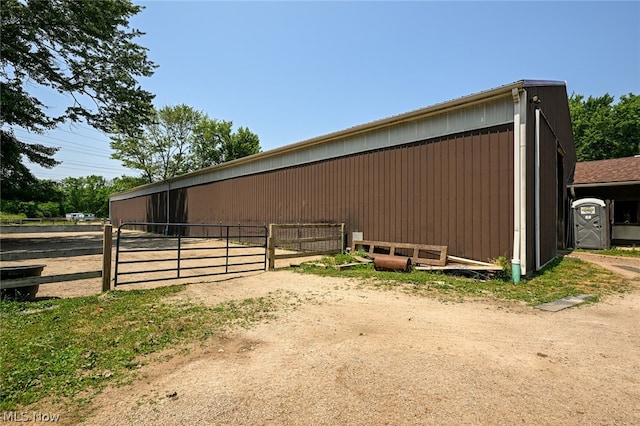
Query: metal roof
point(480, 110)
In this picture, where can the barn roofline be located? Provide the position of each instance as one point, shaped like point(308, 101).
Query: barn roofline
point(201, 176)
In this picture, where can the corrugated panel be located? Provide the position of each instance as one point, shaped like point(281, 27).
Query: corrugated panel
point(554, 104)
point(461, 119)
point(455, 192)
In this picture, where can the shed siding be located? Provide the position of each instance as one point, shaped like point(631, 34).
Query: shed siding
point(455, 191)
point(557, 133)
point(440, 175)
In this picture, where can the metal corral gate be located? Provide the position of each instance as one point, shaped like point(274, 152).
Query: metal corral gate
point(160, 251)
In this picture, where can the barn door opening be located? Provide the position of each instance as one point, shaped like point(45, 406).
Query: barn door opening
point(561, 203)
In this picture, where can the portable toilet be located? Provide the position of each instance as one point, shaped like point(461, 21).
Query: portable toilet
point(590, 224)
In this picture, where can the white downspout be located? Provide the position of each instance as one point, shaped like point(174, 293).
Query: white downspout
point(515, 261)
point(523, 184)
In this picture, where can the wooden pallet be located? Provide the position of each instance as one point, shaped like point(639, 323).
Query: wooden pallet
point(416, 252)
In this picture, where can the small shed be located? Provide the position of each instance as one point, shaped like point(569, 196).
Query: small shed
point(485, 175)
point(617, 183)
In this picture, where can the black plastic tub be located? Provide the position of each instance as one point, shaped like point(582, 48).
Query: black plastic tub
point(22, 271)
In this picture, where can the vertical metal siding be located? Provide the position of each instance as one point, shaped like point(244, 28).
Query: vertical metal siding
point(461, 228)
point(554, 104)
point(131, 210)
point(548, 197)
point(454, 191)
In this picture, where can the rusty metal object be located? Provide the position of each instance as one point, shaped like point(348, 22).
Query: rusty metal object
point(383, 262)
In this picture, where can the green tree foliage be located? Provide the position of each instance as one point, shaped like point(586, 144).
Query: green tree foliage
point(211, 136)
point(41, 198)
point(124, 183)
point(602, 129)
point(83, 50)
point(163, 150)
point(181, 140)
point(91, 194)
point(86, 195)
point(241, 144)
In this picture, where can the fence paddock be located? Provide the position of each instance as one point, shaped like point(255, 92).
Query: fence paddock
point(34, 281)
point(308, 239)
point(161, 251)
point(107, 244)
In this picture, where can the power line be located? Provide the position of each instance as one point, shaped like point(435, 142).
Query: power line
point(91, 166)
point(88, 148)
point(79, 134)
point(48, 135)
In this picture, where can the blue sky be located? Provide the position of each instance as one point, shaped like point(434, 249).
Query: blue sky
point(290, 71)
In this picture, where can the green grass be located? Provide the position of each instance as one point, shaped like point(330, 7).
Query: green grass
point(563, 277)
point(12, 216)
point(67, 350)
point(614, 251)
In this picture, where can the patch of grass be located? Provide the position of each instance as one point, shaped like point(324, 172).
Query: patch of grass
point(563, 277)
point(12, 216)
point(70, 349)
point(338, 259)
point(615, 251)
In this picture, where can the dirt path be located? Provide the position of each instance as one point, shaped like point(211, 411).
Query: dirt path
point(628, 267)
point(349, 355)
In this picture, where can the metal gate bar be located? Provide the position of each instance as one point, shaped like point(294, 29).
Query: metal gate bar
point(243, 238)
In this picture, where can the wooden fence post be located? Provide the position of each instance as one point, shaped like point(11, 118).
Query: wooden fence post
point(271, 249)
point(106, 257)
point(342, 238)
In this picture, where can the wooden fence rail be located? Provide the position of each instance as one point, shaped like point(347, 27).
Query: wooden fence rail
point(105, 273)
point(49, 221)
point(304, 246)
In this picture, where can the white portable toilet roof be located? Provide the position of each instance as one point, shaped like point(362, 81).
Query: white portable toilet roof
point(587, 201)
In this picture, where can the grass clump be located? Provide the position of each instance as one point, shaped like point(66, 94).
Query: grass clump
point(615, 251)
point(70, 349)
point(338, 259)
point(561, 278)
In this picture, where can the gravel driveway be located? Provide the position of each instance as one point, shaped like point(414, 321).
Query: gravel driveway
point(349, 354)
point(358, 356)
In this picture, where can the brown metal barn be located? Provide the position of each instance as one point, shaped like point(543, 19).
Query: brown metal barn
point(485, 175)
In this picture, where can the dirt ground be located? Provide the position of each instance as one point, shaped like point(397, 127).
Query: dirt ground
point(355, 355)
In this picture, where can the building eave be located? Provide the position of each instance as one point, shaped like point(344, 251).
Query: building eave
point(603, 184)
point(433, 110)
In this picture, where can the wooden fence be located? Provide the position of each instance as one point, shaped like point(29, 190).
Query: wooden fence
point(304, 240)
point(105, 273)
point(51, 221)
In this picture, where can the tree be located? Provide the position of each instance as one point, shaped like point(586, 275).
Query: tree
point(604, 130)
point(124, 183)
point(181, 140)
point(91, 194)
point(86, 195)
point(164, 149)
point(240, 144)
point(82, 50)
point(43, 198)
point(211, 135)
